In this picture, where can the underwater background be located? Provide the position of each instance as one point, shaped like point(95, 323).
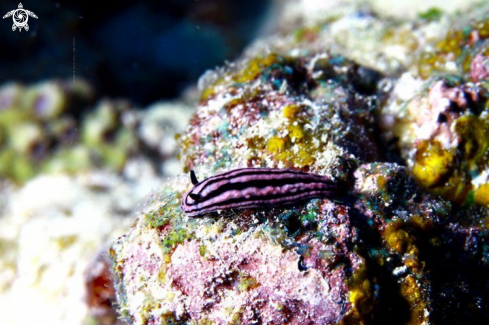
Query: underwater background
point(144, 51)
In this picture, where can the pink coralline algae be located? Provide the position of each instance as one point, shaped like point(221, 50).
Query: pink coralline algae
point(265, 282)
point(479, 68)
point(224, 272)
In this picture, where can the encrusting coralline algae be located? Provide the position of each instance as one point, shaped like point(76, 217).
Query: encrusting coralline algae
point(392, 110)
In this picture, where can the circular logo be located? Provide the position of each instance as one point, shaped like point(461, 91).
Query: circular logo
point(20, 18)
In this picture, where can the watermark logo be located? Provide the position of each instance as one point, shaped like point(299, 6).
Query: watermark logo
point(20, 17)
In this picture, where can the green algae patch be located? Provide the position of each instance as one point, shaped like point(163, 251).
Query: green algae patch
point(431, 14)
point(16, 166)
point(44, 129)
point(246, 282)
point(159, 218)
point(169, 222)
point(202, 250)
point(173, 238)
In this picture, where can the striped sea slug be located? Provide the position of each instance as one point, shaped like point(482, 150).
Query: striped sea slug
point(255, 187)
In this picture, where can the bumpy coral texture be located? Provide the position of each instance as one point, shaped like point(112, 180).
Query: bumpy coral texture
point(262, 269)
point(218, 274)
point(277, 110)
point(392, 113)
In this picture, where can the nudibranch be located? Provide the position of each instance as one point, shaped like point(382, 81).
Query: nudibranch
point(255, 187)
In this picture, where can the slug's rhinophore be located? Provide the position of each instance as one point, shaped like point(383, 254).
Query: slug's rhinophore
point(254, 187)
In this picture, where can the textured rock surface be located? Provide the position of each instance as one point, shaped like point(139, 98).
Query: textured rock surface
point(394, 109)
point(170, 267)
point(351, 95)
point(55, 228)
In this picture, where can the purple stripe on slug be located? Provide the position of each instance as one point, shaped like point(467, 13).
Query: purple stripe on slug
point(255, 187)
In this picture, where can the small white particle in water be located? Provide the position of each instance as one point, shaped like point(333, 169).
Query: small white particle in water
point(400, 270)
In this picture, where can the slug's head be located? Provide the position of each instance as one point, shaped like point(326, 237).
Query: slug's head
point(190, 201)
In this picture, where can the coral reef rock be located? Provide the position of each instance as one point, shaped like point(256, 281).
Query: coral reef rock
point(392, 110)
